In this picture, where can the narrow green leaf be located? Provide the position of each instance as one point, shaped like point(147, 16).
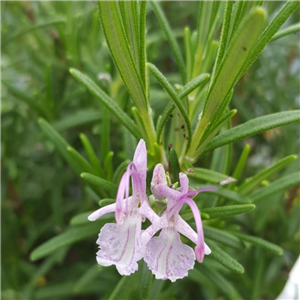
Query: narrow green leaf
point(175, 167)
point(212, 129)
point(70, 236)
point(93, 193)
point(143, 52)
point(120, 171)
point(289, 30)
point(188, 53)
point(170, 37)
point(221, 111)
point(231, 195)
point(239, 13)
point(107, 101)
point(83, 117)
point(277, 186)
point(106, 201)
point(223, 37)
point(258, 3)
point(130, 20)
point(156, 289)
point(80, 160)
point(199, 277)
point(189, 216)
point(87, 277)
point(217, 279)
point(212, 50)
point(80, 219)
point(252, 182)
point(58, 290)
point(163, 120)
point(91, 154)
point(241, 163)
point(99, 182)
point(228, 211)
point(124, 288)
point(140, 122)
point(60, 143)
point(105, 132)
point(227, 76)
point(259, 242)
point(253, 127)
point(172, 93)
point(197, 82)
point(146, 281)
point(209, 19)
point(108, 167)
point(223, 237)
point(224, 258)
point(207, 175)
point(32, 28)
point(119, 49)
point(42, 270)
point(259, 273)
point(32, 103)
point(234, 59)
point(285, 12)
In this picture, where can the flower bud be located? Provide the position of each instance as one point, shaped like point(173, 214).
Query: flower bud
point(159, 178)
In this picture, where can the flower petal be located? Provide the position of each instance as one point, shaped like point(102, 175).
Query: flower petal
point(152, 229)
point(140, 155)
point(146, 211)
point(184, 183)
point(102, 211)
point(185, 229)
point(168, 192)
point(167, 257)
point(140, 160)
point(158, 178)
point(120, 244)
point(124, 269)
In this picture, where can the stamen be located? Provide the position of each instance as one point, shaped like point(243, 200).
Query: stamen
point(199, 249)
point(123, 191)
point(184, 199)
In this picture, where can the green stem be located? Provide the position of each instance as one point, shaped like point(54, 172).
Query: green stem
point(148, 122)
point(190, 156)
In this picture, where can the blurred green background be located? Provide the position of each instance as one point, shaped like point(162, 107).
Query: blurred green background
point(41, 40)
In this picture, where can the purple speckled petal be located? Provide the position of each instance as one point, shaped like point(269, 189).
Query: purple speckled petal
point(158, 178)
point(124, 269)
point(152, 229)
point(120, 244)
point(167, 257)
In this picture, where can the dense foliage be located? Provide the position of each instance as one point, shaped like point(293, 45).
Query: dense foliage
point(67, 136)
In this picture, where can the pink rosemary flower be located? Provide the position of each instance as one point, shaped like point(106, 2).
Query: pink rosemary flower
point(120, 243)
point(124, 243)
point(166, 256)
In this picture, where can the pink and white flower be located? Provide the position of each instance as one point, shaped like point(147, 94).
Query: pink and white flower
point(124, 243)
point(166, 256)
point(120, 243)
